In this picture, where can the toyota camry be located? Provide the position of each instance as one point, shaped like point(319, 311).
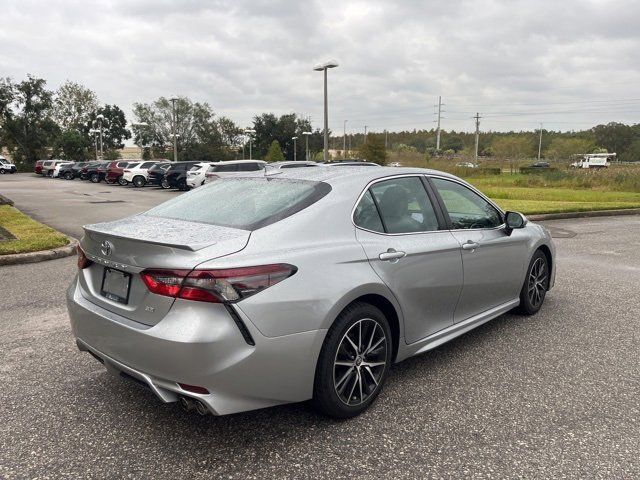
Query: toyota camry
point(290, 285)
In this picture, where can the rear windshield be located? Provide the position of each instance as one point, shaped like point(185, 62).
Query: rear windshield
point(244, 203)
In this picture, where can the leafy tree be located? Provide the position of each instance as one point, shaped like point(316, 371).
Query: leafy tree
point(632, 152)
point(274, 154)
point(373, 150)
point(74, 105)
point(269, 127)
point(615, 137)
point(27, 126)
point(114, 127)
point(562, 148)
point(454, 143)
point(73, 145)
point(512, 147)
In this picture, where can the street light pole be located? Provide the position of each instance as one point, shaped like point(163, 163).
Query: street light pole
point(344, 139)
point(295, 149)
point(306, 139)
point(250, 132)
point(323, 67)
point(173, 129)
point(98, 122)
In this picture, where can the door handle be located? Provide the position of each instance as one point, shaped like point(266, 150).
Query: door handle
point(470, 245)
point(391, 254)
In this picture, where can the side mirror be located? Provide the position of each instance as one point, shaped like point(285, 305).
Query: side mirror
point(513, 220)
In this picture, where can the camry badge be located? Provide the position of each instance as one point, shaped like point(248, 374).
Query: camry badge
point(106, 248)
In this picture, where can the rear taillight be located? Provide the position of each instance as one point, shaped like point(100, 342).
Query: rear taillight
point(216, 286)
point(83, 261)
point(126, 171)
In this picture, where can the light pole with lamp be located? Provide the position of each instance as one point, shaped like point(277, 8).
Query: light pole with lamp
point(295, 150)
point(99, 123)
point(173, 128)
point(250, 132)
point(94, 132)
point(323, 67)
point(306, 140)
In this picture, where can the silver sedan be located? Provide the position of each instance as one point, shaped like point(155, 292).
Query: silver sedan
point(300, 284)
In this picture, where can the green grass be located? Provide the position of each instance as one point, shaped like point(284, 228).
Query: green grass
point(31, 236)
point(531, 207)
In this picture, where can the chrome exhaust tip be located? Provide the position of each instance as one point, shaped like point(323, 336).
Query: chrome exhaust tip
point(186, 404)
point(201, 408)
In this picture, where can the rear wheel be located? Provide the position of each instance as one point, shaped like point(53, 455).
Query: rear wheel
point(536, 284)
point(354, 362)
point(139, 181)
point(68, 176)
point(95, 178)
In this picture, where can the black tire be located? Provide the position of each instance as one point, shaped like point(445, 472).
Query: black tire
point(68, 176)
point(2, 172)
point(139, 181)
point(535, 286)
point(183, 187)
point(165, 184)
point(95, 178)
point(329, 390)
point(122, 182)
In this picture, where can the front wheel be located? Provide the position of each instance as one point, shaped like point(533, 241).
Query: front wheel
point(165, 184)
point(2, 172)
point(95, 178)
point(122, 182)
point(68, 176)
point(354, 362)
point(535, 286)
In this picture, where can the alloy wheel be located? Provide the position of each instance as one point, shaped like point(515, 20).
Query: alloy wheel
point(537, 283)
point(360, 362)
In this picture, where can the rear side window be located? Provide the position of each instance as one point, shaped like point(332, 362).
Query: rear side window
point(146, 165)
point(229, 167)
point(249, 167)
point(404, 206)
point(244, 203)
point(366, 214)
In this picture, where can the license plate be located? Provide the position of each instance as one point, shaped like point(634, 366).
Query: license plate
point(115, 285)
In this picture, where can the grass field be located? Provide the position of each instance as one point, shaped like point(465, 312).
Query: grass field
point(31, 236)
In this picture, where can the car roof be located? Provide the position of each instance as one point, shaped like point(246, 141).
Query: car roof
point(348, 174)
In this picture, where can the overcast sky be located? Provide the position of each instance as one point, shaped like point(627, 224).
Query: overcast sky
point(568, 64)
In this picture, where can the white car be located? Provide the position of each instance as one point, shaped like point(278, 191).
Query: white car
point(6, 166)
point(467, 165)
point(56, 169)
point(138, 174)
point(196, 175)
point(232, 168)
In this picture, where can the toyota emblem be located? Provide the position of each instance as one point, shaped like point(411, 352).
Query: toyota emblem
point(106, 248)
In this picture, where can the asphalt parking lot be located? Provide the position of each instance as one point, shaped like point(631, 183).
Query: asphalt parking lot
point(556, 395)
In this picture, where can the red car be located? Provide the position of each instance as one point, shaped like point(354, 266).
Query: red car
point(115, 171)
point(38, 167)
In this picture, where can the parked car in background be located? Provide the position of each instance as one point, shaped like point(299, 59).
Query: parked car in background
point(6, 166)
point(95, 172)
point(291, 164)
point(84, 171)
point(350, 163)
point(37, 168)
point(232, 168)
point(71, 171)
point(137, 174)
point(48, 167)
point(196, 175)
point(56, 169)
point(115, 170)
point(466, 165)
point(309, 284)
point(155, 173)
point(540, 165)
point(176, 175)
point(395, 164)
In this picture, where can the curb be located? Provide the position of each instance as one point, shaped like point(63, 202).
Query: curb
point(594, 213)
point(42, 255)
point(5, 201)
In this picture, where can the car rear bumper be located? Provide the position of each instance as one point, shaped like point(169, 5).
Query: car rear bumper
point(201, 344)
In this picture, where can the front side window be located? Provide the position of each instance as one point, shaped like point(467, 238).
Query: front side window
point(466, 208)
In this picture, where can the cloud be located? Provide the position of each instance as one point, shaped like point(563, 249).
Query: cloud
point(518, 63)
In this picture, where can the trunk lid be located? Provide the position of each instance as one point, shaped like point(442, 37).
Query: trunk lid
point(141, 242)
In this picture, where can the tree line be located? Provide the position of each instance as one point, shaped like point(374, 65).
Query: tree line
point(38, 123)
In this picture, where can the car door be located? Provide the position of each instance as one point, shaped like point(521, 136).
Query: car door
point(406, 241)
point(493, 261)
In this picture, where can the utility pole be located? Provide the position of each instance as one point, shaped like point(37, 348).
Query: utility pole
point(295, 148)
point(386, 135)
point(173, 129)
point(344, 139)
point(438, 129)
point(365, 132)
point(477, 117)
point(540, 143)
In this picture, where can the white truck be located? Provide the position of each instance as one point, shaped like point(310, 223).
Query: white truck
point(594, 160)
point(6, 166)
